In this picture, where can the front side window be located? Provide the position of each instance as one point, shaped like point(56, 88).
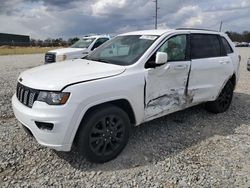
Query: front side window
point(205, 46)
point(123, 50)
point(175, 47)
point(83, 43)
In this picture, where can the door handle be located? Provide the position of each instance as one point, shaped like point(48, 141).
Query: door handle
point(177, 67)
point(167, 67)
point(224, 62)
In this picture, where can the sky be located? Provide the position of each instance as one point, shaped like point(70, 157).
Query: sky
point(43, 19)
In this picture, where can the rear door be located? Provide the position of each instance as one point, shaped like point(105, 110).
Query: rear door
point(210, 67)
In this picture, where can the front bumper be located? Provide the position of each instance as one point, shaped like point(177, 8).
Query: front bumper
point(59, 138)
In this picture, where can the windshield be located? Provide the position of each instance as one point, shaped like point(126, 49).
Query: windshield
point(123, 50)
point(83, 43)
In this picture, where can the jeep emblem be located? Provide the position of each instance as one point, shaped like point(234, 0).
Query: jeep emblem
point(20, 79)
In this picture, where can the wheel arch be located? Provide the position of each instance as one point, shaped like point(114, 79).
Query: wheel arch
point(232, 79)
point(124, 104)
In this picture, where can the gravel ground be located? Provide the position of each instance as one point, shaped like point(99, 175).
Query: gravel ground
point(191, 148)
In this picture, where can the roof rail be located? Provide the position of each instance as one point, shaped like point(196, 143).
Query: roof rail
point(195, 29)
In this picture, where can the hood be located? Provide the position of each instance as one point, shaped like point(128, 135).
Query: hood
point(63, 51)
point(56, 76)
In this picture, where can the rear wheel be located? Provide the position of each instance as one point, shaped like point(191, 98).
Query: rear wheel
point(103, 134)
point(222, 103)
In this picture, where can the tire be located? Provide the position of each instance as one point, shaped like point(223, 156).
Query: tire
point(222, 103)
point(103, 134)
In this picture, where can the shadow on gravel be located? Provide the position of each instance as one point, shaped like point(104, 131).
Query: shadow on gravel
point(164, 137)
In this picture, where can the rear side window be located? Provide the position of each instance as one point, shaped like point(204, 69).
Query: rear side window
point(205, 46)
point(226, 45)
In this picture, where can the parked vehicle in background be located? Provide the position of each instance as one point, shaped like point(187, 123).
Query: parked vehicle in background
point(79, 49)
point(242, 44)
point(133, 78)
point(248, 64)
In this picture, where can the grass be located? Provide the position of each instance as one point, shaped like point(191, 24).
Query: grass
point(10, 50)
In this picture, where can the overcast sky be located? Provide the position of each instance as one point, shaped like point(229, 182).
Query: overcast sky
point(68, 18)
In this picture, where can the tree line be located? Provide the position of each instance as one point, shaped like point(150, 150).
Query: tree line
point(53, 42)
point(239, 37)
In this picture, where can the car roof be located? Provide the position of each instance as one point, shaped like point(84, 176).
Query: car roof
point(147, 32)
point(169, 31)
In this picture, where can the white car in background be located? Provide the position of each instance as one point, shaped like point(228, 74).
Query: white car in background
point(79, 49)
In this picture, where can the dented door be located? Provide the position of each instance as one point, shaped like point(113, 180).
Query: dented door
point(166, 84)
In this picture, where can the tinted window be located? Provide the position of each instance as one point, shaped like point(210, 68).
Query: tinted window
point(102, 40)
point(175, 47)
point(99, 42)
point(226, 45)
point(205, 46)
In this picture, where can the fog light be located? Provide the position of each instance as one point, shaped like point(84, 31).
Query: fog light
point(44, 126)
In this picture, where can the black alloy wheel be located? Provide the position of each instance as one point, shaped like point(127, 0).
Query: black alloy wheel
point(103, 134)
point(106, 135)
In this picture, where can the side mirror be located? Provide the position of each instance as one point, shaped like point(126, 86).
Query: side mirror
point(161, 58)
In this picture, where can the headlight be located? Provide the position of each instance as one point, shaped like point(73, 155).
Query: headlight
point(53, 98)
point(61, 57)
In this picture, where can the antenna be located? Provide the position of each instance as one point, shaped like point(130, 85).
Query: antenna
point(156, 12)
point(221, 25)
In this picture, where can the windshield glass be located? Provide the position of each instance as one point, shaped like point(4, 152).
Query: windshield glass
point(123, 50)
point(83, 43)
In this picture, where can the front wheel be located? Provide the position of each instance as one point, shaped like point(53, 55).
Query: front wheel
point(222, 103)
point(103, 134)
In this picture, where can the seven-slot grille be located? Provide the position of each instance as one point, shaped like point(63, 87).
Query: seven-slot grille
point(50, 58)
point(25, 95)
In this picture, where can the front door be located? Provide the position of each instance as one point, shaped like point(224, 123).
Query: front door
point(166, 84)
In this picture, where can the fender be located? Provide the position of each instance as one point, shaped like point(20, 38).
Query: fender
point(93, 104)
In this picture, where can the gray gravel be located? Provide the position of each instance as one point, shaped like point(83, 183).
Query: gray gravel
point(191, 148)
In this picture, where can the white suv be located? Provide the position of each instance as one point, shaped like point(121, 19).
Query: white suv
point(133, 78)
point(79, 49)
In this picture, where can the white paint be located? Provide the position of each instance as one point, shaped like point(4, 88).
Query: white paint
point(161, 58)
point(58, 75)
point(208, 76)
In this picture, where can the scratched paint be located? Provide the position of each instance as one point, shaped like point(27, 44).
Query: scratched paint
point(163, 103)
